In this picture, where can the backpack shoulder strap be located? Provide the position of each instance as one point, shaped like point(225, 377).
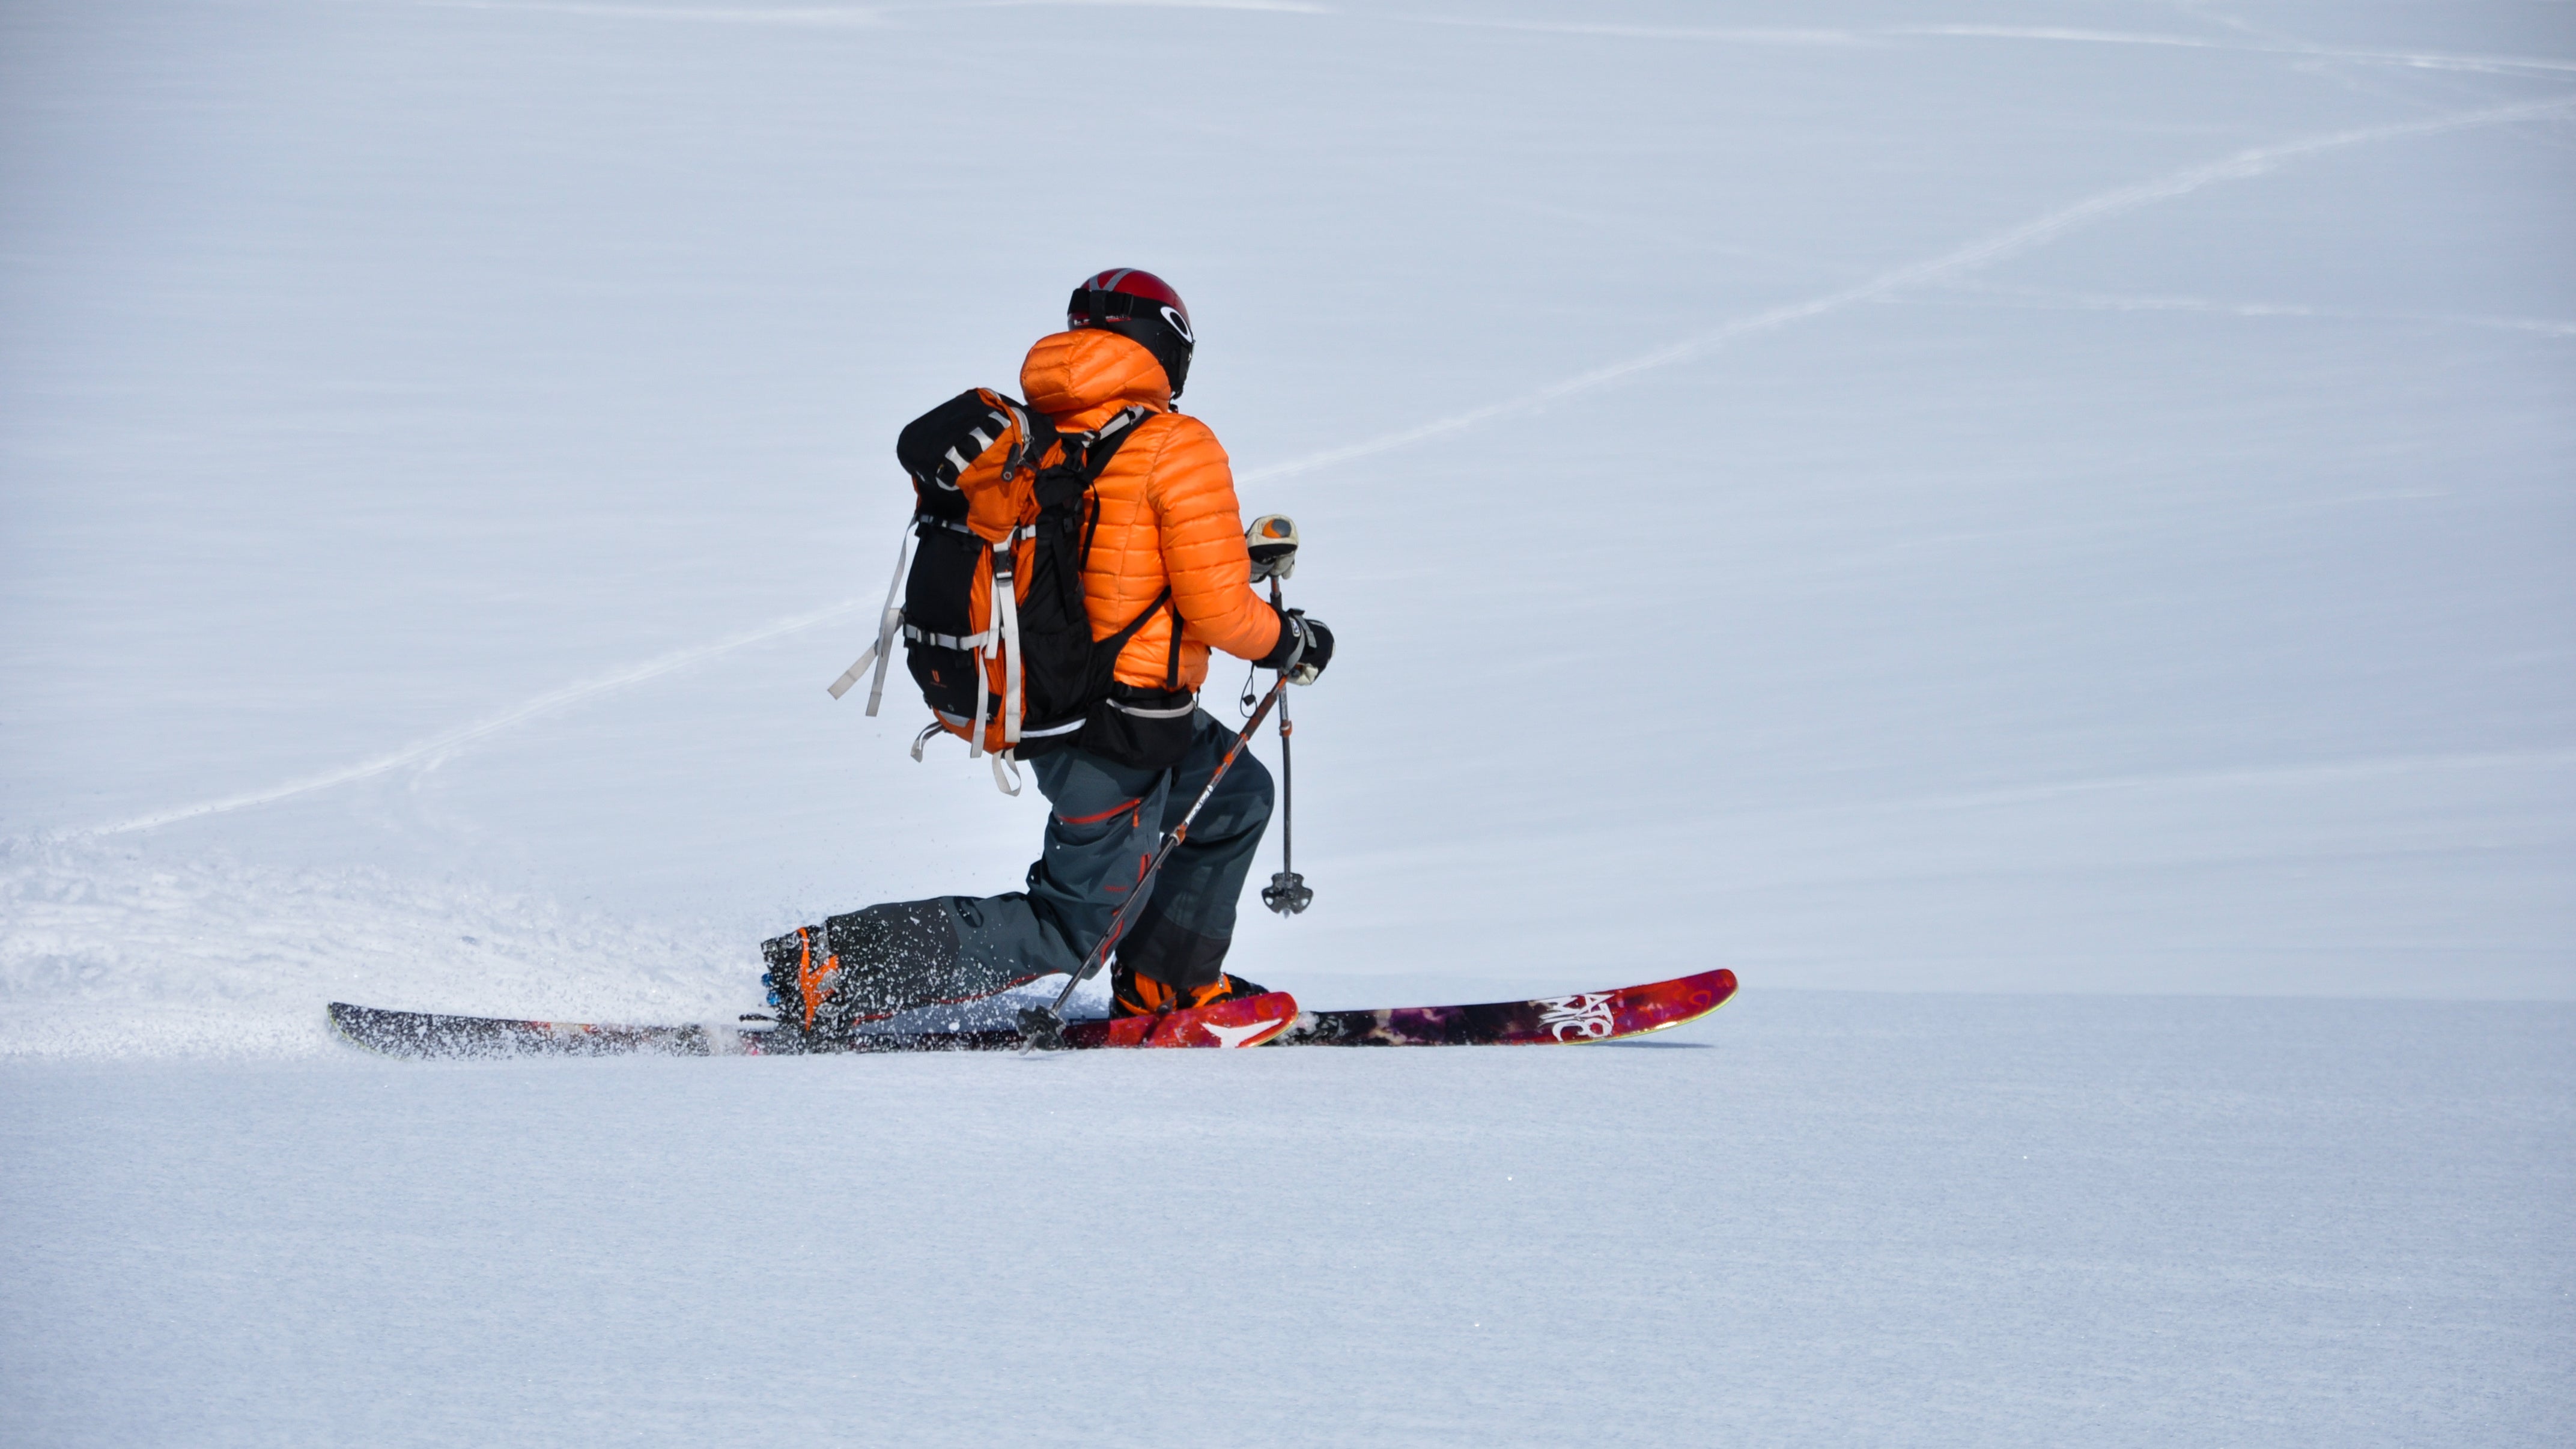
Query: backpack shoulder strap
point(1089, 453)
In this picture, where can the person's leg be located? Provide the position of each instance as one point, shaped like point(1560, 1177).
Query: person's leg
point(1181, 938)
point(872, 963)
point(1100, 833)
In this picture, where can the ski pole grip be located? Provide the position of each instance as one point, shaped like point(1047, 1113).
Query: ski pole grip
point(1272, 542)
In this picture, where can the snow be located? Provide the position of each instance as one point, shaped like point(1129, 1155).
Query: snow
point(2035, 532)
point(1822, 1217)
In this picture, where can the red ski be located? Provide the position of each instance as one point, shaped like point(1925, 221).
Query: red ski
point(1272, 1019)
point(1584, 1016)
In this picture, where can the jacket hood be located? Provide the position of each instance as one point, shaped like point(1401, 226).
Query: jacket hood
point(1080, 379)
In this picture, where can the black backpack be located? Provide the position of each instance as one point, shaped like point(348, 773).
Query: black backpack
point(989, 576)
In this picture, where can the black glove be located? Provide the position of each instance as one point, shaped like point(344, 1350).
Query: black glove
point(1296, 630)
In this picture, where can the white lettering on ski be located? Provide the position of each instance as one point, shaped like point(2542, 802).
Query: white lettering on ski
point(1587, 1016)
point(1235, 1036)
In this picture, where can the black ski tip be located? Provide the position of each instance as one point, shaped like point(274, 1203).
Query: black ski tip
point(371, 1030)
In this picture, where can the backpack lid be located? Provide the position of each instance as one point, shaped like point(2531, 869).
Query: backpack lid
point(940, 445)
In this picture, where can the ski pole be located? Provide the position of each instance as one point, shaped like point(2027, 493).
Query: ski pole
point(1287, 893)
point(1043, 1026)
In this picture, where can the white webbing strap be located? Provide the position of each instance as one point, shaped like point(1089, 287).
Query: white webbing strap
point(1006, 622)
point(1004, 629)
point(1006, 767)
point(889, 623)
point(959, 642)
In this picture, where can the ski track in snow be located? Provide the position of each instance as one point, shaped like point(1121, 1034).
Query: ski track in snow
point(1998, 247)
point(2418, 60)
point(1944, 268)
point(857, 16)
point(437, 749)
point(851, 17)
point(2043, 34)
point(1990, 294)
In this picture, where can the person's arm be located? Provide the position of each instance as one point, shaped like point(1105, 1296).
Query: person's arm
point(1191, 488)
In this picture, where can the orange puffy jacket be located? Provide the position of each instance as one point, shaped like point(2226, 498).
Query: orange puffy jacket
point(1167, 514)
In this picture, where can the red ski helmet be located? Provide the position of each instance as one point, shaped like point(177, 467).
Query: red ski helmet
point(1142, 307)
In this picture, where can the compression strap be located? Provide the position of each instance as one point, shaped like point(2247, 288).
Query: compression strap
point(959, 642)
point(960, 722)
point(1178, 711)
point(1006, 622)
point(889, 621)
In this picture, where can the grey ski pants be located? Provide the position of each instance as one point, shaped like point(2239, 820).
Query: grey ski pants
point(1102, 827)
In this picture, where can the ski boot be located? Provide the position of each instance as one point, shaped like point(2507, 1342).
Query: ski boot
point(800, 976)
point(1133, 995)
point(828, 981)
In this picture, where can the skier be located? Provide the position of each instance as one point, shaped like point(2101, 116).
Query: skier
point(1168, 545)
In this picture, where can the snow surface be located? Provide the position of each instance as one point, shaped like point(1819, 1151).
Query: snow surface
point(2036, 532)
point(1821, 1218)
